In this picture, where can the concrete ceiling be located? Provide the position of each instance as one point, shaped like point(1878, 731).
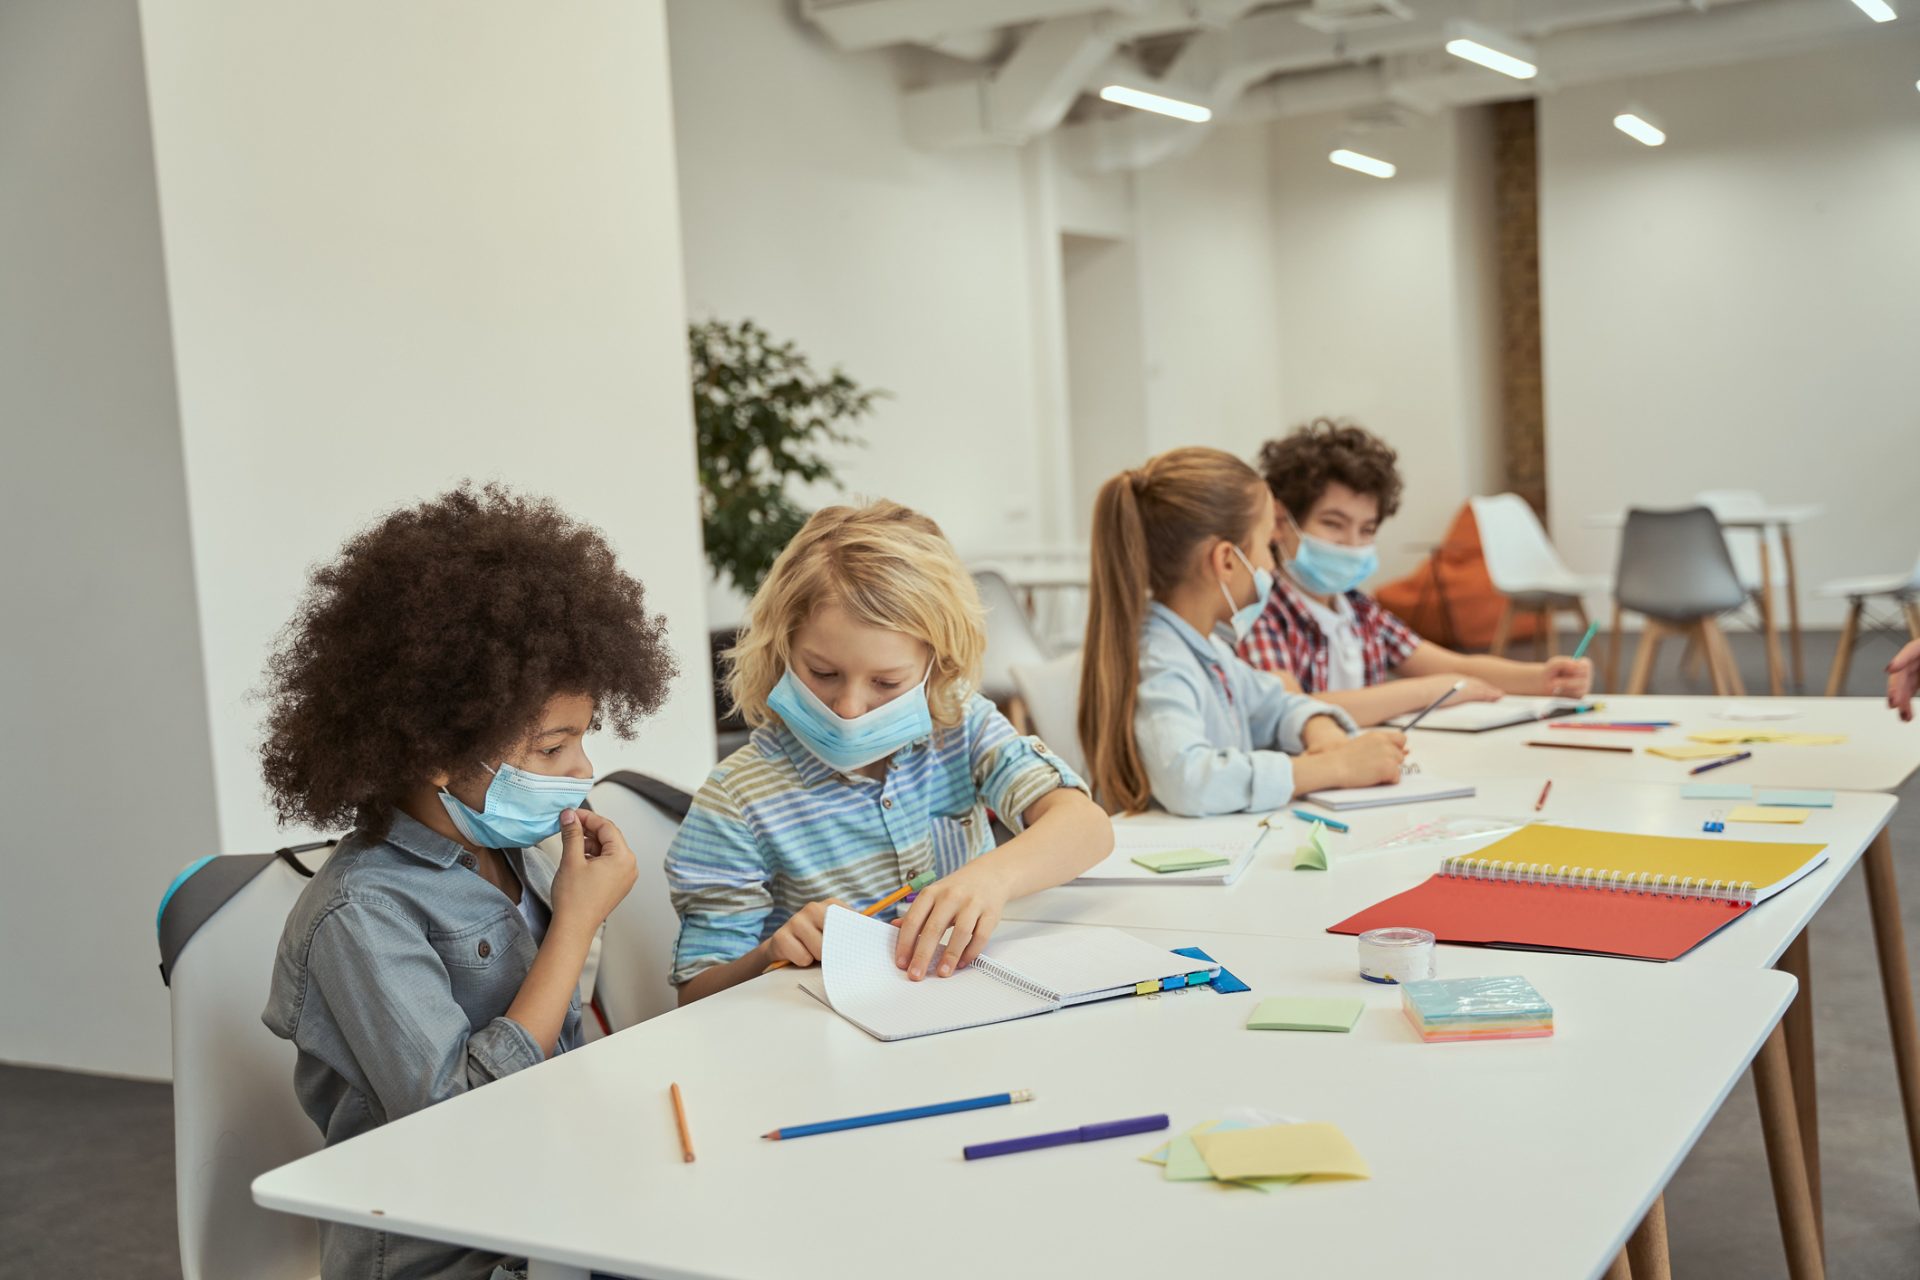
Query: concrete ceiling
point(1022, 68)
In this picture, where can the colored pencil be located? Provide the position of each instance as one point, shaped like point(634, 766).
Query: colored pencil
point(1715, 764)
point(914, 885)
point(1331, 824)
point(1541, 803)
point(1582, 746)
point(1064, 1137)
point(788, 1132)
point(1604, 725)
point(1580, 650)
point(1458, 685)
point(680, 1118)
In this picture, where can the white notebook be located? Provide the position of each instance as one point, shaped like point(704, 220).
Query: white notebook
point(1478, 717)
point(1235, 837)
point(1037, 973)
point(1412, 789)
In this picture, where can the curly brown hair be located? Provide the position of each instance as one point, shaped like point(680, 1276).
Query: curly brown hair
point(1301, 464)
point(434, 641)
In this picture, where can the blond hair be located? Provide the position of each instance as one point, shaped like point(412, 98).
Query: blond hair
point(888, 566)
point(1147, 524)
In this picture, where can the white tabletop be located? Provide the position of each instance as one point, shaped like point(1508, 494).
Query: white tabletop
point(1519, 1158)
point(1273, 900)
point(1880, 752)
point(1785, 516)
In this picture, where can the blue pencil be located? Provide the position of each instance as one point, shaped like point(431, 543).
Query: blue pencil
point(893, 1117)
point(1331, 824)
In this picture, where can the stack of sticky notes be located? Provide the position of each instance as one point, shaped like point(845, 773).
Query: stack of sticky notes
point(1451, 1009)
point(1266, 1157)
point(1167, 860)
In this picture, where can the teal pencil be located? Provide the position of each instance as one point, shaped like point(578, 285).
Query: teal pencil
point(1580, 650)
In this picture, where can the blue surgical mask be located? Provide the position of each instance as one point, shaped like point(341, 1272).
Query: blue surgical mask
point(844, 744)
point(1329, 569)
point(521, 810)
point(1244, 618)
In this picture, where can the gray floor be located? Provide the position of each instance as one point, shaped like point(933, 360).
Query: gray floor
point(86, 1173)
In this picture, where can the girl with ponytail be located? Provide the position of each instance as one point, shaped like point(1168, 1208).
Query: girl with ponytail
point(1168, 714)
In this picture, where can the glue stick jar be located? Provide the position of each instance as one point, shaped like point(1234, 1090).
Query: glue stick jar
point(1396, 955)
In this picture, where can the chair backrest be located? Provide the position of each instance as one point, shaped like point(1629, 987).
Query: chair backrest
point(1011, 639)
point(1744, 544)
point(636, 949)
point(234, 1112)
point(1051, 690)
point(1674, 566)
point(1520, 558)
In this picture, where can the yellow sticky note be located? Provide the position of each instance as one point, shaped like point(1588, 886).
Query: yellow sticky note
point(1698, 751)
point(1812, 739)
point(1282, 1151)
point(1765, 813)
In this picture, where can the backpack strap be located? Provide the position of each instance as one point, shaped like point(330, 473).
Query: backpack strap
point(664, 796)
point(205, 886)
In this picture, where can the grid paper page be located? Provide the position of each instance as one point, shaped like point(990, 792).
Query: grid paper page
point(863, 986)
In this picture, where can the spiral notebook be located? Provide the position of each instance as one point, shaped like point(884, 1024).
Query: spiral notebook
point(1478, 717)
point(1033, 973)
point(1552, 888)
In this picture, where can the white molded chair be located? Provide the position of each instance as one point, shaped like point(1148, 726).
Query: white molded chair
point(1051, 690)
point(1527, 570)
point(1011, 642)
point(234, 1113)
point(1902, 588)
point(636, 948)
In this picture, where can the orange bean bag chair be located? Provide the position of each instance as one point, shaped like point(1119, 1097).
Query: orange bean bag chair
point(1449, 599)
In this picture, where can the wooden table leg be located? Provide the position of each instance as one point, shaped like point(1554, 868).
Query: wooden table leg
point(1843, 652)
point(1501, 628)
point(1890, 939)
point(1769, 620)
point(1793, 608)
point(1780, 1127)
point(1647, 1246)
point(1798, 1024)
point(1613, 651)
point(1619, 1270)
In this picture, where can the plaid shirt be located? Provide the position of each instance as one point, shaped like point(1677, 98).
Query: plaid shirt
point(1285, 637)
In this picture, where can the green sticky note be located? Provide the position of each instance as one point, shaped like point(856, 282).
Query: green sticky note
point(1312, 856)
point(1795, 799)
point(1181, 860)
point(1716, 791)
point(1185, 1163)
point(1268, 1185)
point(1305, 1013)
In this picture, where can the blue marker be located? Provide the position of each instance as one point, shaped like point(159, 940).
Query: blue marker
point(1331, 824)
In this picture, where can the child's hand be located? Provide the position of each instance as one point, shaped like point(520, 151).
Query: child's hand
point(1323, 733)
point(971, 900)
point(1372, 758)
point(802, 939)
point(1472, 689)
point(1569, 677)
point(1903, 675)
point(596, 868)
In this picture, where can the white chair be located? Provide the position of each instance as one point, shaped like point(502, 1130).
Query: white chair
point(234, 1113)
point(1902, 588)
point(1011, 641)
point(1527, 570)
point(1051, 692)
point(636, 948)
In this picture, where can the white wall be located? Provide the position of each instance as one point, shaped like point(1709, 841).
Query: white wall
point(1106, 379)
point(1737, 308)
point(807, 210)
point(106, 776)
point(410, 244)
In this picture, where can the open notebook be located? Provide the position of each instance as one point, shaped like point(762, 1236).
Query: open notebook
point(1037, 973)
point(1552, 888)
point(1478, 717)
point(1414, 788)
point(1235, 837)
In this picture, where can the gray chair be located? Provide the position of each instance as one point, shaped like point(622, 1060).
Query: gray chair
point(1011, 642)
point(1675, 570)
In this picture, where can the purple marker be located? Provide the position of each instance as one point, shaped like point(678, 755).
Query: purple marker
point(1066, 1137)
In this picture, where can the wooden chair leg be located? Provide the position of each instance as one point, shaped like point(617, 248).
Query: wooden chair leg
point(1890, 940)
point(1543, 634)
point(1913, 619)
point(1647, 1246)
point(1798, 1023)
point(1692, 658)
point(1728, 681)
point(1698, 638)
point(1614, 645)
point(1621, 1269)
point(1780, 1128)
point(1501, 628)
point(1770, 621)
point(1793, 608)
point(1643, 658)
point(1843, 652)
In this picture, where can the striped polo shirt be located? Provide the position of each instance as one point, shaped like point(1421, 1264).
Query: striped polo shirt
point(774, 827)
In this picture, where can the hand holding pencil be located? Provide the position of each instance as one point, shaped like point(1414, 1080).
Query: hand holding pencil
point(801, 939)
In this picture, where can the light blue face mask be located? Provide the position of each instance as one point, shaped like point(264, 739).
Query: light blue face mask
point(1327, 568)
point(844, 744)
point(1244, 618)
point(522, 808)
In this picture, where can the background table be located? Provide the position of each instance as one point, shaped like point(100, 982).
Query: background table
point(1518, 1159)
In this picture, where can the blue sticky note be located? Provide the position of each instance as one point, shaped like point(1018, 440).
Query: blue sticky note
point(1716, 791)
point(1795, 799)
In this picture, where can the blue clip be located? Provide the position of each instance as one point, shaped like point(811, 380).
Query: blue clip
point(1176, 981)
point(1713, 826)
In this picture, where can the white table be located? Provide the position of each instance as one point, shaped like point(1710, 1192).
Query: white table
point(1554, 1148)
point(1781, 519)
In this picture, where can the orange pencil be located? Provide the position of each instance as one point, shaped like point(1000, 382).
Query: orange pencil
point(914, 885)
point(1541, 803)
point(680, 1118)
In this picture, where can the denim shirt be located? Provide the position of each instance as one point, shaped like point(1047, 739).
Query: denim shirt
point(1212, 731)
point(392, 979)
